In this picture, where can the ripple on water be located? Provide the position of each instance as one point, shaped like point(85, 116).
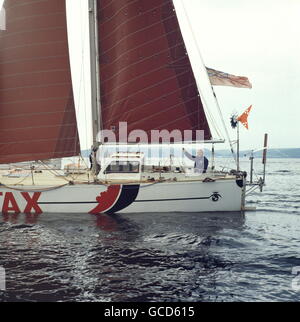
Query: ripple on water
point(159, 257)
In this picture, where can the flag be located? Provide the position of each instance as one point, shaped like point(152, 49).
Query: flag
point(243, 118)
point(223, 79)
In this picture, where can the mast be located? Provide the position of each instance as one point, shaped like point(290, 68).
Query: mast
point(95, 71)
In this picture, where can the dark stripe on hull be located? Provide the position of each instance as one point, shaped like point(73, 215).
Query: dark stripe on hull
point(66, 202)
point(177, 199)
point(126, 198)
point(214, 197)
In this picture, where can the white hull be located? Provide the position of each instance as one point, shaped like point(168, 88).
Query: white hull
point(189, 196)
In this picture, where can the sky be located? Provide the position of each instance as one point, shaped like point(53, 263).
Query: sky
point(258, 39)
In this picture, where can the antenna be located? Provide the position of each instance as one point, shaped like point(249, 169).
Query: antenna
point(264, 160)
point(262, 180)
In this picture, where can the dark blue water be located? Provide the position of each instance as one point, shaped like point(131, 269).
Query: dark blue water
point(160, 257)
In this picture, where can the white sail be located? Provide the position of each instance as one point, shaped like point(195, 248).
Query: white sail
point(200, 72)
point(78, 33)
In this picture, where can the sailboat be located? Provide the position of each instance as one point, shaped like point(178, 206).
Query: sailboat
point(142, 78)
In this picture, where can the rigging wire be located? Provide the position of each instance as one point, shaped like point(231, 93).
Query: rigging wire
point(225, 127)
point(214, 95)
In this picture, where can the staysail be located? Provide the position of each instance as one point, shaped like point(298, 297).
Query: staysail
point(37, 113)
point(145, 73)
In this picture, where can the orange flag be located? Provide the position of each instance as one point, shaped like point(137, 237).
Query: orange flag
point(244, 117)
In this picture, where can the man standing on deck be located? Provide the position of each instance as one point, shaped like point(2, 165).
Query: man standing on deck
point(93, 159)
point(201, 162)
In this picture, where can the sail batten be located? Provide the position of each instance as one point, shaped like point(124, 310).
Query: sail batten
point(37, 113)
point(145, 73)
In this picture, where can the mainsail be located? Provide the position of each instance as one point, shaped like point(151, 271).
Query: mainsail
point(37, 114)
point(145, 73)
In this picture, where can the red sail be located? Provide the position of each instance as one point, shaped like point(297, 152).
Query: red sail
point(145, 73)
point(37, 114)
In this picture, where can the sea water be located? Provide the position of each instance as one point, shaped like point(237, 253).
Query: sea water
point(253, 256)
